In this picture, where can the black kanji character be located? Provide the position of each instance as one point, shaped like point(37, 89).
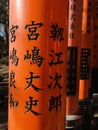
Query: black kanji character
point(13, 103)
point(32, 28)
point(72, 17)
point(72, 35)
point(73, 7)
point(27, 56)
point(35, 57)
point(30, 80)
point(58, 55)
point(30, 104)
point(55, 102)
point(13, 56)
point(12, 80)
point(56, 32)
point(72, 26)
point(55, 81)
point(12, 31)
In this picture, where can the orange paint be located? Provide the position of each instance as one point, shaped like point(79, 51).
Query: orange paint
point(74, 45)
point(86, 50)
point(37, 64)
point(84, 90)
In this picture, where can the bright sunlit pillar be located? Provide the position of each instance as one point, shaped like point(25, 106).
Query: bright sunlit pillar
point(37, 64)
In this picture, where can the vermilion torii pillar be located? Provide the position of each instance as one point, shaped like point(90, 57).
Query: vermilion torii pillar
point(37, 64)
point(73, 61)
point(86, 49)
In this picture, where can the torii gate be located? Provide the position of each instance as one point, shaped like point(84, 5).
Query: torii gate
point(37, 64)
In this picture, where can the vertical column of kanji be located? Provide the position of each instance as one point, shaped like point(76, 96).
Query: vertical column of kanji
point(73, 61)
point(37, 64)
point(86, 50)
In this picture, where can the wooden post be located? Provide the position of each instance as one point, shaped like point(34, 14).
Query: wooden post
point(86, 50)
point(37, 64)
point(73, 61)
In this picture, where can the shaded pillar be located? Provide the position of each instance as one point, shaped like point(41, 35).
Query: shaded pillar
point(95, 35)
point(73, 55)
point(37, 64)
point(86, 49)
point(94, 69)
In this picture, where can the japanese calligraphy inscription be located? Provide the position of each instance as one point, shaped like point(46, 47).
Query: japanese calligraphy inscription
point(37, 60)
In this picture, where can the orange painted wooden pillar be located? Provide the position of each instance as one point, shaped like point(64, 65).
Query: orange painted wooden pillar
point(86, 50)
point(37, 64)
point(73, 61)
